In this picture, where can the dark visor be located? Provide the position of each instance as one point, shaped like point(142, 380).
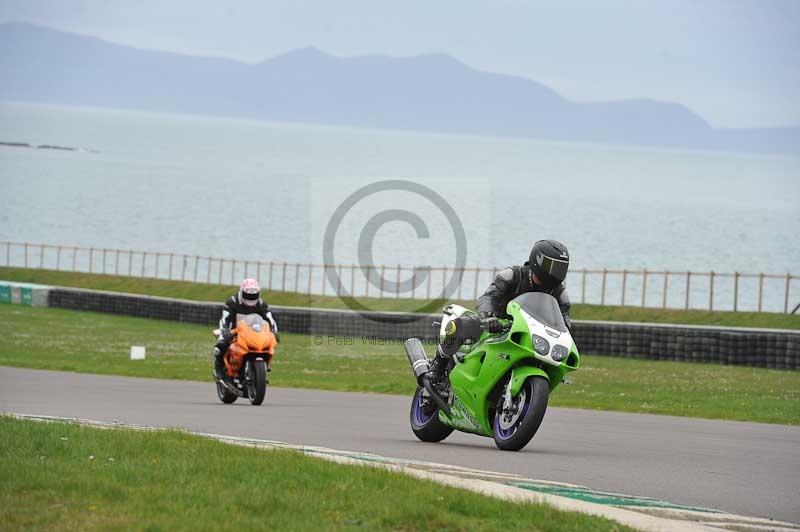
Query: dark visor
point(250, 297)
point(555, 268)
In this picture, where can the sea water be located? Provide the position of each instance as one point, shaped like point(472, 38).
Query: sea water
point(268, 191)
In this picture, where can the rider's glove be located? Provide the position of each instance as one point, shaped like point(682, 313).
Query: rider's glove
point(492, 324)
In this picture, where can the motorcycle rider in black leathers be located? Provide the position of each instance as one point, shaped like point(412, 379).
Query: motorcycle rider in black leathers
point(246, 301)
point(544, 272)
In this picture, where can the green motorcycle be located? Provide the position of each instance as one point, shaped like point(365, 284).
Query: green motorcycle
point(496, 384)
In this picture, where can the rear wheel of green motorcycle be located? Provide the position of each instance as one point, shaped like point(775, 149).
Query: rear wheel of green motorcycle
point(513, 430)
point(425, 422)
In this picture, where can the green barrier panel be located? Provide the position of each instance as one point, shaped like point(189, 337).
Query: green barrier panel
point(26, 296)
point(5, 293)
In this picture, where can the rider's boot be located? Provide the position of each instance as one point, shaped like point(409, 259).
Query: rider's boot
point(219, 366)
point(438, 365)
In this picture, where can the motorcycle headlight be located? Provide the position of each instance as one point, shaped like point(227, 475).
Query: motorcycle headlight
point(559, 353)
point(541, 345)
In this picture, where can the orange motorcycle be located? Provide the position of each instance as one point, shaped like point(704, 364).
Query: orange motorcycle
point(247, 360)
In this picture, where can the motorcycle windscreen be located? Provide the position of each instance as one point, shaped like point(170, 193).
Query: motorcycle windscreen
point(544, 308)
point(254, 321)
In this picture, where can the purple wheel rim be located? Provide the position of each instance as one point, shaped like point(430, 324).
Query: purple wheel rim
point(420, 417)
point(506, 434)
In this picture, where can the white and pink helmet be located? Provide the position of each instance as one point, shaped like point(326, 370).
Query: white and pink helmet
point(249, 292)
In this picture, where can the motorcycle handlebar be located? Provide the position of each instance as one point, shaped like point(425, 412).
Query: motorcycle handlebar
point(504, 324)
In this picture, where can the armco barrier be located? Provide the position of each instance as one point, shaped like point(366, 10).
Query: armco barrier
point(779, 349)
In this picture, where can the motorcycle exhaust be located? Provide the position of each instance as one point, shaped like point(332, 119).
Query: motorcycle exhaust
point(420, 365)
point(231, 387)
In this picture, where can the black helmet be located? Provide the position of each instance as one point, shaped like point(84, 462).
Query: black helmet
point(549, 260)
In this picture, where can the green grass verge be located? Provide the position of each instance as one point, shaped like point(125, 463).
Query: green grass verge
point(59, 339)
point(58, 476)
point(208, 292)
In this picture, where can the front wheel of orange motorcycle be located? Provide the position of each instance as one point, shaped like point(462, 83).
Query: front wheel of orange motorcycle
point(255, 374)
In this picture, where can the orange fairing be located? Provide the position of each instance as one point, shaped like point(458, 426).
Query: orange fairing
point(249, 340)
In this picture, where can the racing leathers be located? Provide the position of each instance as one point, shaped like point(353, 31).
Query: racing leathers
point(516, 280)
point(227, 323)
point(507, 284)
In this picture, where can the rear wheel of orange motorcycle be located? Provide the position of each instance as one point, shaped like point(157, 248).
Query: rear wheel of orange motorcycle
point(255, 374)
point(225, 395)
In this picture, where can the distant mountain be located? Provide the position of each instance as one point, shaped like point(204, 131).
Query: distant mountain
point(431, 92)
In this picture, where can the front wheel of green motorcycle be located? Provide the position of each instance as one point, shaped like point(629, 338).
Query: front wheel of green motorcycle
point(425, 422)
point(514, 427)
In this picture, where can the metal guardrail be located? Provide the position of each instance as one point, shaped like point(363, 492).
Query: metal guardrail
point(760, 292)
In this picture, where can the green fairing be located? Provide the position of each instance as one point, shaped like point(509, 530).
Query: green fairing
point(490, 361)
point(519, 374)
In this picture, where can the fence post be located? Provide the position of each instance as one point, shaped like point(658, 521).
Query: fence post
point(760, 289)
point(366, 281)
point(397, 285)
point(383, 272)
point(221, 267)
point(104, 260)
point(196, 267)
point(324, 273)
point(246, 269)
point(624, 285)
point(603, 290)
point(233, 272)
point(428, 289)
point(169, 270)
point(41, 256)
point(583, 286)
point(26, 254)
point(297, 277)
point(58, 257)
point(144, 259)
point(310, 269)
point(283, 278)
point(130, 262)
point(666, 288)
point(208, 270)
point(352, 280)
point(644, 287)
point(116, 263)
point(74, 257)
point(269, 285)
point(339, 280)
point(444, 279)
point(8, 254)
point(786, 294)
point(183, 267)
point(475, 286)
point(91, 260)
point(735, 291)
point(711, 291)
point(688, 288)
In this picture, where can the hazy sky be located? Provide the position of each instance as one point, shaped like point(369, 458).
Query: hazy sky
point(736, 62)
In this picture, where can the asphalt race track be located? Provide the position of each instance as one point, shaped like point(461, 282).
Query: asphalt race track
point(745, 468)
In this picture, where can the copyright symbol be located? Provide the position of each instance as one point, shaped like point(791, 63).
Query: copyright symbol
point(318, 340)
point(365, 245)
